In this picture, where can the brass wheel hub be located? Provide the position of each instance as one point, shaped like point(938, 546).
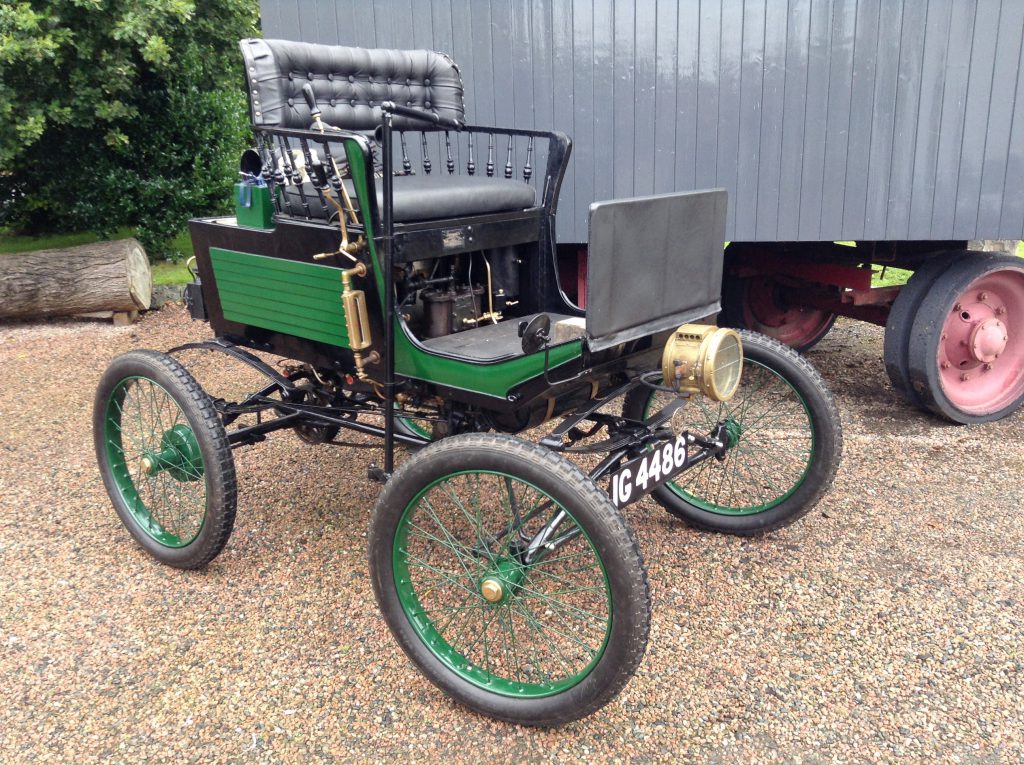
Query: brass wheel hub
point(491, 590)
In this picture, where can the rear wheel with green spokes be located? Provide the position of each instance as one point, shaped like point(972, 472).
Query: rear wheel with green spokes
point(510, 579)
point(410, 425)
point(784, 437)
point(164, 458)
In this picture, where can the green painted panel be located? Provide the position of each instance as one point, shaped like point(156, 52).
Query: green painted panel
point(300, 299)
point(321, 300)
point(491, 379)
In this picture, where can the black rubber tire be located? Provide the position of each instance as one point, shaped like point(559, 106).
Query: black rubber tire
point(773, 358)
point(611, 540)
point(734, 299)
point(901, 320)
point(925, 335)
point(218, 463)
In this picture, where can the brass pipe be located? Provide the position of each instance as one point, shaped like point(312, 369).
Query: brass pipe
point(357, 320)
point(494, 317)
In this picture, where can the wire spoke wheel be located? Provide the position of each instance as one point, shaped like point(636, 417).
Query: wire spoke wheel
point(774, 448)
point(784, 439)
point(528, 630)
point(156, 461)
point(164, 458)
point(518, 633)
point(408, 423)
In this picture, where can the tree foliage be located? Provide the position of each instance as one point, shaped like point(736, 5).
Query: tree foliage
point(119, 112)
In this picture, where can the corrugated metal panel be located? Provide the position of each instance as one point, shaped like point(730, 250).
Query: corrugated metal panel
point(825, 119)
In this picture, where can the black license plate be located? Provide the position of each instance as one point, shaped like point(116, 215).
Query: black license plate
point(643, 474)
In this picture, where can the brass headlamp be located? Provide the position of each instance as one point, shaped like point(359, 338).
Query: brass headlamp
point(703, 358)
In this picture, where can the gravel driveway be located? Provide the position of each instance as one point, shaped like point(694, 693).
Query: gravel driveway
point(886, 624)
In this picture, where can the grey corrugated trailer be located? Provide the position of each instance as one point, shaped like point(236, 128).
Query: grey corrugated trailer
point(897, 124)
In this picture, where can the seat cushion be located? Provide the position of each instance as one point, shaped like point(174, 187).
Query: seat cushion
point(432, 197)
point(428, 197)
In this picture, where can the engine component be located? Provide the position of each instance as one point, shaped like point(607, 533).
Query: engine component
point(451, 310)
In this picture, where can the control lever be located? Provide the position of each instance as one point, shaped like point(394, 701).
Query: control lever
point(320, 172)
point(314, 110)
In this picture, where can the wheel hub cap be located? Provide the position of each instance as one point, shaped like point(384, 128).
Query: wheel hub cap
point(733, 433)
point(179, 455)
point(502, 580)
point(492, 591)
point(988, 340)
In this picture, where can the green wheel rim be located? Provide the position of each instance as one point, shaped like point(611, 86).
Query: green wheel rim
point(553, 621)
point(771, 431)
point(155, 461)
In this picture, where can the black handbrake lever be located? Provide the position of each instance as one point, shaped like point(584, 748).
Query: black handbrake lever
point(307, 93)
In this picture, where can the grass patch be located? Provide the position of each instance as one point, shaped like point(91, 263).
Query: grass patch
point(164, 271)
point(9, 243)
point(889, 276)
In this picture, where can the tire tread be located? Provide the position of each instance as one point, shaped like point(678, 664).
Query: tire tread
point(622, 538)
point(223, 493)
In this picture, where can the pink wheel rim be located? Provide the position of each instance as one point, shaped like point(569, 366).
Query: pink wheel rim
point(981, 349)
point(764, 313)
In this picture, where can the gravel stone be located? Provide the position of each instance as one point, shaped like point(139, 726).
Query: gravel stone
point(886, 625)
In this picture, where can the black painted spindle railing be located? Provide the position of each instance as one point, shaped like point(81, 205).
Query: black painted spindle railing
point(406, 164)
point(450, 164)
point(426, 154)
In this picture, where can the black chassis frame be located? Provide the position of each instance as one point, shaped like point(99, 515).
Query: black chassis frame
point(625, 439)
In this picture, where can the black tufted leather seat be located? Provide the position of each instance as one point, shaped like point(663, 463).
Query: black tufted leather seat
point(349, 85)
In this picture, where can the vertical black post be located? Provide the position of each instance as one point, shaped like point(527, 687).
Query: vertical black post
point(388, 299)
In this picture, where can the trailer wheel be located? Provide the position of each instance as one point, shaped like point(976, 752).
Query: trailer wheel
point(966, 348)
point(164, 458)
point(536, 641)
point(901, 320)
point(758, 303)
point(789, 442)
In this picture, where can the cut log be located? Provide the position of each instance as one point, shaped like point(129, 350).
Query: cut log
point(105, 276)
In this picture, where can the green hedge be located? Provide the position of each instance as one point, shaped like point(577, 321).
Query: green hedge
point(120, 113)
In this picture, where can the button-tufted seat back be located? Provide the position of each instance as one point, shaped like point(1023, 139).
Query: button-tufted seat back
point(349, 84)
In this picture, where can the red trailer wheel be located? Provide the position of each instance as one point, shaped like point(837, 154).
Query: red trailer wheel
point(759, 303)
point(966, 349)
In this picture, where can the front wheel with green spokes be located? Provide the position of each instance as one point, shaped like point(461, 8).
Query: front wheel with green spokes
point(510, 579)
point(164, 458)
point(785, 442)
